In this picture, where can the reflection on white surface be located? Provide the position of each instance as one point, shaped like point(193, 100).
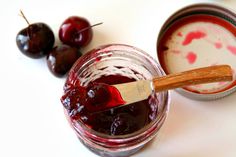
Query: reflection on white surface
point(31, 116)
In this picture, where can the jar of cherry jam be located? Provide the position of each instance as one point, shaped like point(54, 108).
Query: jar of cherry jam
point(119, 131)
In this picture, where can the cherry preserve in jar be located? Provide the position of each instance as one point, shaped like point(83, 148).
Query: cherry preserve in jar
point(119, 131)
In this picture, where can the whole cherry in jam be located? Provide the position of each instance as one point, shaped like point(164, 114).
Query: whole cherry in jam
point(61, 58)
point(76, 31)
point(102, 96)
point(95, 97)
point(86, 104)
point(35, 40)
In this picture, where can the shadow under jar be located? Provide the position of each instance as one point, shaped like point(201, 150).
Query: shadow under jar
point(118, 131)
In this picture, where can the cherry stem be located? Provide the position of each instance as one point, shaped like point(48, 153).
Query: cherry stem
point(84, 29)
point(22, 15)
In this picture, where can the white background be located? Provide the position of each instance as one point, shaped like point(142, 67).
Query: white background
point(32, 122)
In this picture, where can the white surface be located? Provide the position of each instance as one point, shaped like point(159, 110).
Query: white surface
point(31, 116)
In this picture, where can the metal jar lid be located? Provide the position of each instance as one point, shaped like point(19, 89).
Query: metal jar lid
point(196, 36)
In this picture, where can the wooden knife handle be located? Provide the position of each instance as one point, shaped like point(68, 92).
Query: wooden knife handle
point(210, 74)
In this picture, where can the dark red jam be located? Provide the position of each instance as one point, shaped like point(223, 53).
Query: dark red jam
point(87, 104)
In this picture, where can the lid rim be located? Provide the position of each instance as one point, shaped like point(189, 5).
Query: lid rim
point(205, 97)
point(196, 9)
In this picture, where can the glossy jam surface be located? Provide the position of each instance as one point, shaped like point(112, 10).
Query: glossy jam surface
point(80, 103)
point(197, 41)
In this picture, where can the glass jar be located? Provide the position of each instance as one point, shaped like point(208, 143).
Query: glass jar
point(128, 61)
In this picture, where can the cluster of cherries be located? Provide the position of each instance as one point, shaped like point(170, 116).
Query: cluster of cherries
point(37, 40)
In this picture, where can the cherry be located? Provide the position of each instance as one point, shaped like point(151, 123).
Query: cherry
point(98, 93)
point(123, 123)
point(35, 40)
point(61, 58)
point(102, 96)
point(76, 31)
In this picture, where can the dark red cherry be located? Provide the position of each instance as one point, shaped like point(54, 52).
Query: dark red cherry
point(76, 31)
point(35, 40)
point(61, 58)
point(123, 123)
point(98, 93)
